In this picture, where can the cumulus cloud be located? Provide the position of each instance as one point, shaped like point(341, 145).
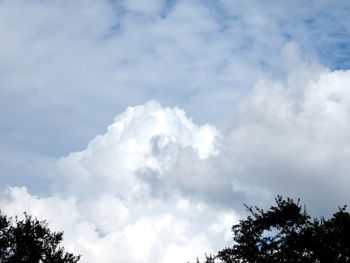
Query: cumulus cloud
point(114, 199)
point(156, 187)
point(111, 229)
point(295, 143)
point(160, 188)
point(142, 144)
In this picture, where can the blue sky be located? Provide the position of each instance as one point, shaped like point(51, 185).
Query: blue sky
point(238, 101)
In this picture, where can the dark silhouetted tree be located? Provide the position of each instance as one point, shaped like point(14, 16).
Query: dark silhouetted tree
point(31, 241)
point(286, 233)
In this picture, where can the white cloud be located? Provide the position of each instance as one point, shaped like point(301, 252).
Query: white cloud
point(144, 138)
point(295, 143)
point(114, 199)
point(153, 231)
point(69, 64)
point(66, 67)
point(156, 185)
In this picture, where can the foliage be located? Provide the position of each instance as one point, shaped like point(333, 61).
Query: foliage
point(286, 233)
point(31, 241)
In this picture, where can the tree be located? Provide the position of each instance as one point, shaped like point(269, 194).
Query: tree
point(31, 241)
point(286, 233)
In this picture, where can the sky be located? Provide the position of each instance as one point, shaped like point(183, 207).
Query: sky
point(140, 128)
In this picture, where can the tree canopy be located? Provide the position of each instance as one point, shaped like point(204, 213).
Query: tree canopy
point(31, 241)
point(286, 233)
